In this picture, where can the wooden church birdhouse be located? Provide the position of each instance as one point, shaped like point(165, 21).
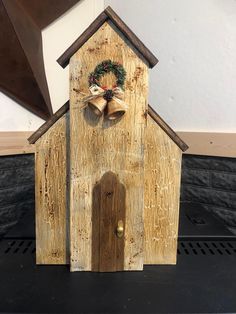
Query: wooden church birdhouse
point(107, 166)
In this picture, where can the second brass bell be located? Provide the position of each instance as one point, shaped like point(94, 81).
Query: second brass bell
point(115, 109)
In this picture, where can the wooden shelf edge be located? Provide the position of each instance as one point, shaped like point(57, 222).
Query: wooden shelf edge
point(210, 143)
point(15, 143)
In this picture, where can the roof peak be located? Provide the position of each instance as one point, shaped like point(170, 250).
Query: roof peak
point(108, 14)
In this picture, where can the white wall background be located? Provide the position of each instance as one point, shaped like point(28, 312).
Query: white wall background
point(193, 87)
point(57, 37)
point(13, 117)
point(194, 84)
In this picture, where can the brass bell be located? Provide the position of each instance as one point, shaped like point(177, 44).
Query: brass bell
point(97, 105)
point(115, 109)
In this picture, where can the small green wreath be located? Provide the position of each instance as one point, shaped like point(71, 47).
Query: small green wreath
point(102, 97)
point(105, 67)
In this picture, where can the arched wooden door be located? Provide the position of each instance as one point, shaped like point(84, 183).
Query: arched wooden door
point(108, 224)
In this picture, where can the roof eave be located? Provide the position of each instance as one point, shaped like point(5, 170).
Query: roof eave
point(168, 130)
point(152, 113)
point(48, 124)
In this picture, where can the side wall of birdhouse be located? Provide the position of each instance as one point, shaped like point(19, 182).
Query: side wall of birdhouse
point(50, 195)
point(98, 145)
point(162, 193)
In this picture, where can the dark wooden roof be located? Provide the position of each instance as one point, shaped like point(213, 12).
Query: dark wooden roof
point(17, 79)
point(30, 39)
point(43, 129)
point(108, 14)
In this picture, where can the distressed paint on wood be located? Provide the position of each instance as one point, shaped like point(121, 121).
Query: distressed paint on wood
point(50, 195)
point(162, 189)
point(108, 209)
point(99, 145)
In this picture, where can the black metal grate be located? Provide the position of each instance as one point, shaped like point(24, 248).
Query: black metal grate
point(17, 247)
point(206, 248)
point(188, 248)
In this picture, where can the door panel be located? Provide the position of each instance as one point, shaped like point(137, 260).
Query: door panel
point(108, 214)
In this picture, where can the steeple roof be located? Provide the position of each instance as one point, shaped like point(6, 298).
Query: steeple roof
point(109, 15)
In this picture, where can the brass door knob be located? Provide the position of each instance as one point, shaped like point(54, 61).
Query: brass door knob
point(120, 229)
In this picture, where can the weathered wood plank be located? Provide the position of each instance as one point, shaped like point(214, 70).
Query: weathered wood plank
point(50, 195)
point(99, 145)
point(162, 189)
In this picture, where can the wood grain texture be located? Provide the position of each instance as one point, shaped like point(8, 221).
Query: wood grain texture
point(174, 136)
point(108, 209)
point(162, 192)
point(108, 14)
point(15, 143)
point(50, 196)
point(99, 145)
